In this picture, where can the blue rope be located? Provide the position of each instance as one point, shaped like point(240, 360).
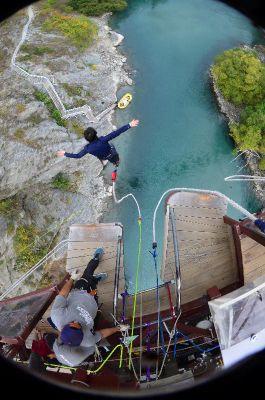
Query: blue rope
point(175, 345)
point(194, 344)
point(260, 224)
point(154, 254)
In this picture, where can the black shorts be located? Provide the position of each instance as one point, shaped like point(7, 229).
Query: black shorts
point(114, 156)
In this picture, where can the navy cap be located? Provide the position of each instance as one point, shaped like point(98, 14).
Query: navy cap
point(71, 336)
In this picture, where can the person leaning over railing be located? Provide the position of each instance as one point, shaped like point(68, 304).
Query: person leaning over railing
point(73, 313)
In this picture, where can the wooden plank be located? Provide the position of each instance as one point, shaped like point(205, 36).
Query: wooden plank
point(205, 243)
point(95, 232)
point(247, 243)
point(84, 240)
point(190, 235)
point(253, 256)
point(254, 253)
point(199, 211)
point(199, 226)
point(197, 200)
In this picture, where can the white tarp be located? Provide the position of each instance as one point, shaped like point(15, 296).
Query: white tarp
point(239, 320)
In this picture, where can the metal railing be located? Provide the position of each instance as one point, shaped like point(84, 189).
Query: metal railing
point(45, 82)
point(177, 261)
point(117, 277)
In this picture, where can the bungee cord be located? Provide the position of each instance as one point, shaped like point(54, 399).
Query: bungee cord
point(139, 251)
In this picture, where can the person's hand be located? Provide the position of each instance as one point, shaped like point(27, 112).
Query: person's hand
point(134, 123)
point(60, 153)
point(123, 327)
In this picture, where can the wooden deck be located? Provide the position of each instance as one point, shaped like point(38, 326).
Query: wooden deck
point(148, 298)
point(206, 248)
point(83, 241)
point(253, 257)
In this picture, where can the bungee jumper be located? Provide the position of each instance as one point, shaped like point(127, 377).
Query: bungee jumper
point(100, 146)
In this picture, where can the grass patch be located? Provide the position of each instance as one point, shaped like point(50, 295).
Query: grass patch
point(46, 280)
point(35, 119)
point(20, 107)
point(72, 90)
point(78, 29)
point(10, 228)
point(32, 50)
point(19, 134)
point(92, 66)
point(97, 7)
point(28, 251)
point(54, 113)
point(80, 102)
point(77, 129)
point(262, 164)
point(61, 182)
point(9, 207)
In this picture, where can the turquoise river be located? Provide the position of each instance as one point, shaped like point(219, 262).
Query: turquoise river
point(182, 140)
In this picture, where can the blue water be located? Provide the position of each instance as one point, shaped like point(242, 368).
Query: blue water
point(182, 140)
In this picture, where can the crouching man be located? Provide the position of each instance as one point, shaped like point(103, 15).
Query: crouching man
point(73, 313)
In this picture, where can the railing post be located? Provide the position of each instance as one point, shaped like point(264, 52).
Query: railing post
point(117, 277)
point(177, 261)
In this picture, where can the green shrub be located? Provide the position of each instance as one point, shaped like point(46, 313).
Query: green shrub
point(55, 114)
point(61, 181)
point(97, 7)
point(60, 5)
point(249, 134)
point(262, 164)
point(28, 250)
point(79, 29)
point(240, 76)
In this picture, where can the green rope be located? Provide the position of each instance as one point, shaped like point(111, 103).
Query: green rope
point(136, 286)
point(101, 365)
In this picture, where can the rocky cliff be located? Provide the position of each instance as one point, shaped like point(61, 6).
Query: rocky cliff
point(35, 202)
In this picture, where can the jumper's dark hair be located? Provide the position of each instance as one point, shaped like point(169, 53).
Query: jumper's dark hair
point(90, 135)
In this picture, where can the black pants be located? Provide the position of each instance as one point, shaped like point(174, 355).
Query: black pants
point(88, 281)
point(114, 156)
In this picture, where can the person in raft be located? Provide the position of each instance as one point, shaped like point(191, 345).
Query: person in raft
point(100, 146)
point(73, 313)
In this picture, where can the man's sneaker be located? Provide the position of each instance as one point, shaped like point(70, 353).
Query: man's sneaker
point(75, 275)
point(99, 253)
point(101, 277)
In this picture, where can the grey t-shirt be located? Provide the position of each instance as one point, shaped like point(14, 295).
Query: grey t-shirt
point(81, 307)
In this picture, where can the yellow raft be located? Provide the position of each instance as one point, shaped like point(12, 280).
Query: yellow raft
point(125, 100)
